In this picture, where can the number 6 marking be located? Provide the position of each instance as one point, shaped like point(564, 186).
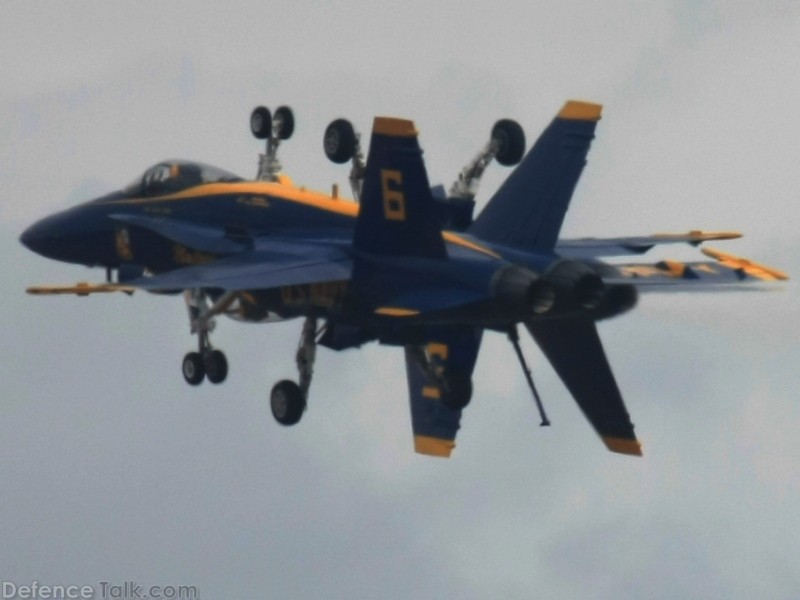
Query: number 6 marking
point(394, 201)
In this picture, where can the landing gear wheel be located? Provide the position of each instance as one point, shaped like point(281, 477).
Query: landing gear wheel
point(193, 369)
point(287, 402)
point(261, 123)
point(216, 366)
point(284, 122)
point(510, 140)
point(339, 141)
point(459, 393)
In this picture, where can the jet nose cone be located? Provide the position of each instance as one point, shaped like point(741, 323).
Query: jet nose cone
point(43, 237)
point(31, 238)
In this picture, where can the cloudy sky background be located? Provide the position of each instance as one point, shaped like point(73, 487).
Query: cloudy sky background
point(112, 468)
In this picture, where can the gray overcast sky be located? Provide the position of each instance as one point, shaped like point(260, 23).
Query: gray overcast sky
point(111, 468)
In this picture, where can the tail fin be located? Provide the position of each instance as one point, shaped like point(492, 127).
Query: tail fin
point(574, 349)
point(528, 210)
point(454, 350)
point(398, 216)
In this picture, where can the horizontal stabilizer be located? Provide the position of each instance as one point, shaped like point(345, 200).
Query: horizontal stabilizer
point(574, 349)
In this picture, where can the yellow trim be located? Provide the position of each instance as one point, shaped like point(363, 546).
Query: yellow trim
point(394, 311)
point(432, 446)
point(753, 269)
point(279, 191)
point(673, 268)
point(575, 110)
point(439, 350)
point(255, 188)
point(623, 445)
point(82, 288)
point(432, 392)
point(394, 127)
point(394, 200)
point(456, 239)
point(697, 235)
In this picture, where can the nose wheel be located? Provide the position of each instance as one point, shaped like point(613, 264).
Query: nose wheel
point(208, 362)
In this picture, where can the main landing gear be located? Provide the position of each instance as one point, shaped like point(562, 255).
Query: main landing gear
point(207, 362)
point(288, 399)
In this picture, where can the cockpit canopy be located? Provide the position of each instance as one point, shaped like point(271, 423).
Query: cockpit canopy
point(173, 176)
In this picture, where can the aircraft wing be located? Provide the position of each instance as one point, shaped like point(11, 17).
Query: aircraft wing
point(726, 272)
point(573, 347)
point(272, 263)
point(621, 246)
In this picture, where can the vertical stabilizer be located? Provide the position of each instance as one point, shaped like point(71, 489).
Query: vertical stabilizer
point(398, 216)
point(529, 208)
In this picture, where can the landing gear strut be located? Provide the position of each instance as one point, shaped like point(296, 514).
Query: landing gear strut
point(206, 363)
point(288, 399)
point(513, 336)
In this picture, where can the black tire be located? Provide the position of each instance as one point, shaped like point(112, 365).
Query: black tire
point(216, 366)
point(339, 141)
point(261, 123)
point(284, 116)
point(510, 139)
point(459, 391)
point(287, 402)
point(193, 368)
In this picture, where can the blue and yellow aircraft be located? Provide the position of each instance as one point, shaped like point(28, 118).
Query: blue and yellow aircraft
point(406, 265)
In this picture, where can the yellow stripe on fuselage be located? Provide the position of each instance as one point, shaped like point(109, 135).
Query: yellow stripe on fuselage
point(289, 193)
point(256, 188)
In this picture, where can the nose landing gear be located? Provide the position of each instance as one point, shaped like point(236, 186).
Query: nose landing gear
point(207, 362)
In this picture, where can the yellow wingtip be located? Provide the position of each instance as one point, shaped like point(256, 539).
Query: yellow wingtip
point(394, 127)
point(82, 288)
point(750, 267)
point(432, 446)
point(631, 447)
point(576, 110)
